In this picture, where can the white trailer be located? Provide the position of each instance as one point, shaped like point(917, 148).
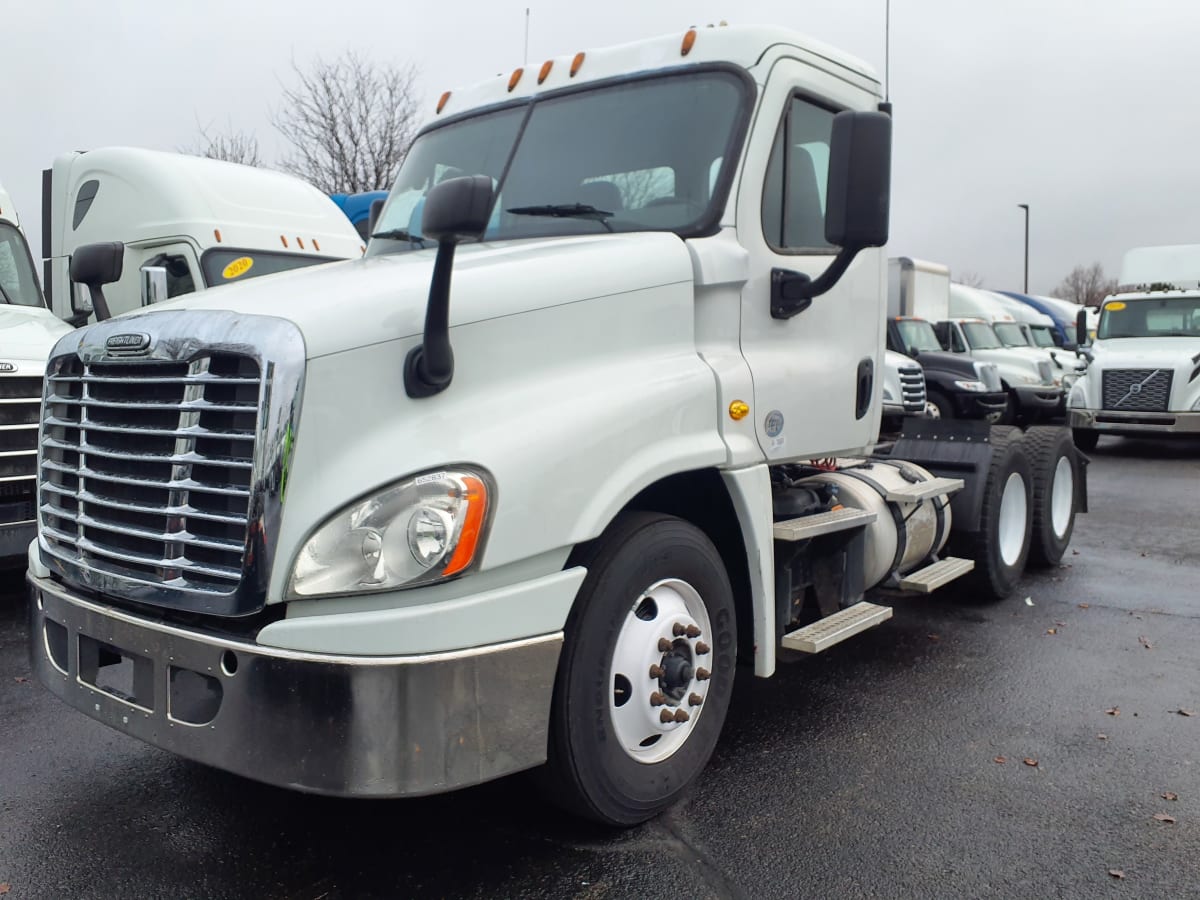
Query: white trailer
point(186, 224)
point(523, 486)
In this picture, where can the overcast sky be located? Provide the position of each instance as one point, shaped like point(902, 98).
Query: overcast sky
point(1084, 109)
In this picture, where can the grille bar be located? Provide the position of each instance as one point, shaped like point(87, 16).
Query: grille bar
point(151, 379)
point(92, 450)
point(141, 559)
point(186, 511)
point(20, 406)
point(135, 431)
point(199, 405)
point(183, 483)
point(146, 534)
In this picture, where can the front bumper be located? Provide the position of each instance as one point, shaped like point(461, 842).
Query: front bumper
point(1040, 400)
point(350, 726)
point(1129, 422)
point(972, 405)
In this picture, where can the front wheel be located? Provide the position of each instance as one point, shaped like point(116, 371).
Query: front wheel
point(938, 406)
point(646, 671)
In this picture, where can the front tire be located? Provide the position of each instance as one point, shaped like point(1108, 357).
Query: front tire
point(938, 406)
point(652, 632)
point(1056, 480)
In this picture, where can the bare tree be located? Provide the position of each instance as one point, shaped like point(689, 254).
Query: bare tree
point(232, 146)
point(971, 279)
point(350, 122)
point(1086, 285)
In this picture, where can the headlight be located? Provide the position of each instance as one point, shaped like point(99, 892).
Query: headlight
point(1030, 379)
point(977, 386)
point(421, 530)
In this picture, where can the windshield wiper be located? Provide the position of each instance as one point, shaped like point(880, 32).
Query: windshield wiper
point(400, 234)
point(565, 211)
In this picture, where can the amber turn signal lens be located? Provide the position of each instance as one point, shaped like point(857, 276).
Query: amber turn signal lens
point(738, 410)
point(688, 40)
point(545, 72)
point(577, 63)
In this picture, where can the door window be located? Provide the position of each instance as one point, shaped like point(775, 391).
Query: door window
point(793, 207)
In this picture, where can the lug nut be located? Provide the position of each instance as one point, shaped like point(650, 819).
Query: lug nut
point(658, 699)
point(695, 700)
point(664, 645)
point(666, 716)
point(657, 672)
point(702, 648)
point(703, 674)
point(680, 715)
point(678, 629)
point(692, 631)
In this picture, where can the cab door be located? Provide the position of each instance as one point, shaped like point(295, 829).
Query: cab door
point(817, 375)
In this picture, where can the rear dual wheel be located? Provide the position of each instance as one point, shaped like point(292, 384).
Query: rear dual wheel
point(1056, 483)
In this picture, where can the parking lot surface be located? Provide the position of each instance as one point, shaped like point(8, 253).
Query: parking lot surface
point(1012, 750)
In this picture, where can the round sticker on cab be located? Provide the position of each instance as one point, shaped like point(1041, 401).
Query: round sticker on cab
point(1115, 306)
point(237, 268)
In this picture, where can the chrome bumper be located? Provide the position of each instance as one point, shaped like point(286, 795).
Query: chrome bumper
point(351, 726)
point(1127, 422)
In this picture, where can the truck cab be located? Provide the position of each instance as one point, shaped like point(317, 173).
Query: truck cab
point(197, 223)
point(28, 331)
point(956, 386)
point(1142, 375)
point(1061, 314)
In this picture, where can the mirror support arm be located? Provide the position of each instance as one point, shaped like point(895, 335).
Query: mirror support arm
point(793, 292)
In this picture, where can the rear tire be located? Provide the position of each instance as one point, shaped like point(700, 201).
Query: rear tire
point(1085, 439)
point(1000, 548)
point(611, 758)
point(1056, 481)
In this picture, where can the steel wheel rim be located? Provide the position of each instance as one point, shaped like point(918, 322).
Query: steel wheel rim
point(1014, 513)
point(666, 633)
point(1062, 497)
point(932, 411)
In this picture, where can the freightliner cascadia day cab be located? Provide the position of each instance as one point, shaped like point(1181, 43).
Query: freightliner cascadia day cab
point(1143, 368)
point(523, 486)
point(186, 224)
point(28, 331)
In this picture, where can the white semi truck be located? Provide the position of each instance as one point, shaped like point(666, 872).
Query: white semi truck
point(186, 224)
point(1143, 371)
point(28, 331)
point(592, 423)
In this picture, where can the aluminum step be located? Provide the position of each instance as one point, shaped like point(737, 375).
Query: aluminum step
point(822, 523)
point(824, 633)
point(934, 575)
point(924, 490)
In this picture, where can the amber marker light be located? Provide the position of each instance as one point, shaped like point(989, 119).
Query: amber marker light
point(738, 410)
point(577, 64)
point(472, 528)
point(514, 78)
point(442, 101)
point(545, 72)
point(283, 240)
point(217, 234)
point(688, 40)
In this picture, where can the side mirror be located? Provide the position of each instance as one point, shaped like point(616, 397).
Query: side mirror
point(857, 206)
point(1081, 329)
point(154, 284)
point(455, 209)
point(373, 215)
point(95, 265)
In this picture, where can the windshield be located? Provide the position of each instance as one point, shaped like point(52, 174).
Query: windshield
point(980, 336)
point(1010, 334)
point(1043, 336)
point(225, 266)
point(917, 334)
point(1159, 317)
point(646, 155)
point(17, 282)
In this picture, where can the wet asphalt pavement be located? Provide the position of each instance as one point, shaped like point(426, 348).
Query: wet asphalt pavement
point(867, 771)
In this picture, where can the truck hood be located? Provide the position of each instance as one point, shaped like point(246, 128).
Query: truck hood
point(1158, 352)
point(340, 306)
point(29, 332)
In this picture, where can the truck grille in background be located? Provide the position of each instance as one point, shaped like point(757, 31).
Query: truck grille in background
point(147, 467)
point(1148, 390)
point(20, 406)
point(912, 389)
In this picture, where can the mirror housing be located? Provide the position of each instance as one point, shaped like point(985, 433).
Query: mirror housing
point(373, 215)
point(94, 265)
point(857, 206)
point(455, 209)
point(154, 284)
point(1081, 332)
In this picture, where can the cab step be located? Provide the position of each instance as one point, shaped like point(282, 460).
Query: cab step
point(924, 490)
point(934, 575)
point(806, 527)
point(824, 633)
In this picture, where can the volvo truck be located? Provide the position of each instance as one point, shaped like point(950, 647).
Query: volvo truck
point(521, 490)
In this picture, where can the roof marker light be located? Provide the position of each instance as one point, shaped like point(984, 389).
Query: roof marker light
point(442, 101)
point(283, 240)
point(514, 78)
point(545, 73)
point(577, 63)
point(688, 40)
point(316, 246)
point(300, 241)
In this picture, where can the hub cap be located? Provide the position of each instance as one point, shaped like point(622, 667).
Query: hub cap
point(1013, 513)
point(660, 670)
point(1062, 497)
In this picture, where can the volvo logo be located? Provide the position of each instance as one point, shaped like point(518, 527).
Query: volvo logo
point(1135, 389)
point(7, 367)
point(130, 342)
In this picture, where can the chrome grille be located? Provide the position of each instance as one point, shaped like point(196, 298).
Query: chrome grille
point(20, 404)
point(912, 389)
point(1146, 390)
point(146, 467)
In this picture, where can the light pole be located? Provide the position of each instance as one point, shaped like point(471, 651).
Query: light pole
point(1025, 206)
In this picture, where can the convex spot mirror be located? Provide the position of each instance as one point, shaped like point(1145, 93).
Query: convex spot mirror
point(154, 284)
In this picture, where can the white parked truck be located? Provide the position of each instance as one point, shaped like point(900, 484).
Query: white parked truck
point(186, 224)
point(1143, 372)
point(28, 331)
point(903, 390)
point(521, 487)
